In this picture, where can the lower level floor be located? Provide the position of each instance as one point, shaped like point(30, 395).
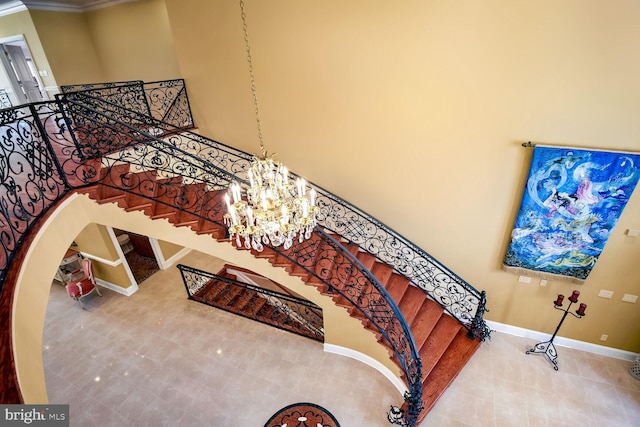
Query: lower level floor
point(158, 359)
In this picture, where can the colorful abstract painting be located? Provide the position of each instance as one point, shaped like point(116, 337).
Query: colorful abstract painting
point(572, 200)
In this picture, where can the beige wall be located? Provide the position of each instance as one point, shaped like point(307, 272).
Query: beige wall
point(66, 39)
point(169, 249)
point(133, 41)
point(95, 242)
point(415, 111)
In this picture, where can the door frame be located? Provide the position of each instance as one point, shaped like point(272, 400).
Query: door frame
point(19, 95)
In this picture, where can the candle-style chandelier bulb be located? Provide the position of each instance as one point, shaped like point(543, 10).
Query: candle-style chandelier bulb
point(274, 211)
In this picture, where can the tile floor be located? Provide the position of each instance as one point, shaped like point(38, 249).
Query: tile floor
point(157, 359)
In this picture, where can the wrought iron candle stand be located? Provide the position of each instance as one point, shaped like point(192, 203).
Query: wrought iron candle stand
point(546, 347)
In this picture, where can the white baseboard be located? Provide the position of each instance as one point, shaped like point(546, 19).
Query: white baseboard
point(166, 263)
point(115, 288)
point(367, 360)
point(52, 91)
point(563, 342)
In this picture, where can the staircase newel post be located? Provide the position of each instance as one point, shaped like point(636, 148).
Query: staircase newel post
point(407, 416)
point(479, 328)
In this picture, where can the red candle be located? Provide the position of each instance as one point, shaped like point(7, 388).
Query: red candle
point(581, 310)
point(574, 296)
point(558, 302)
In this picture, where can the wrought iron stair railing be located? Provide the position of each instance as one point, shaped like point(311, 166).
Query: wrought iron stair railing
point(283, 311)
point(328, 263)
point(454, 294)
point(128, 159)
point(31, 177)
point(207, 165)
point(157, 155)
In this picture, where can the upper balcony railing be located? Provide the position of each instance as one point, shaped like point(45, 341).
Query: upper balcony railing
point(165, 101)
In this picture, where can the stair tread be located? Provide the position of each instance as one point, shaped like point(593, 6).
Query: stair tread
point(438, 342)
point(450, 365)
point(382, 272)
point(424, 322)
point(254, 305)
point(365, 258)
point(397, 286)
point(411, 302)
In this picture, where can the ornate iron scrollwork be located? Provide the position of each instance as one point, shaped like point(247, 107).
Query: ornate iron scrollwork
point(283, 311)
point(107, 133)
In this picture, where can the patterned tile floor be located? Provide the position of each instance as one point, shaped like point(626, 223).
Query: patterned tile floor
point(157, 359)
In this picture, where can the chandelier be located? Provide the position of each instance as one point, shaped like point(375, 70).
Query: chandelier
point(275, 209)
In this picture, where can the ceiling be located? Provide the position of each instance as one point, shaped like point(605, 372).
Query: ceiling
point(12, 6)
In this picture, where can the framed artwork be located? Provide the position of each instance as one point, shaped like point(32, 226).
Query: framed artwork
point(571, 201)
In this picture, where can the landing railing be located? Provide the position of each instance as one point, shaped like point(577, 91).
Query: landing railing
point(165, 101)
point(280, 310)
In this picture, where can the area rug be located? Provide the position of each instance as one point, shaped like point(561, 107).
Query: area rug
point(302, 415)
point(141, 266)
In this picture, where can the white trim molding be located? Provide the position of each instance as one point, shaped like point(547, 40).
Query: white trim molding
point(52, 90)
point(121, 259)
point(166, 263)
point(563, 342)
point(101, 260)
point(11, 8)
point(119, 289)
point(160, 259)
point(367, 360)
point(75, 6)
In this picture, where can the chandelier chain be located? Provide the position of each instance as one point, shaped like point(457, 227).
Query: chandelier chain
point(275, 208)
point(252, 78)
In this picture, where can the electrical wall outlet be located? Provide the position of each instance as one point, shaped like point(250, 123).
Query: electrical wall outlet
point(633, 233)
point(543, 282)
point(605, 294)
point(603, 337)
point(524, 279)
point(630, 298)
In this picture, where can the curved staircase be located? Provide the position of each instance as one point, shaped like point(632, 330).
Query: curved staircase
point(443, 342)
point(95, 143)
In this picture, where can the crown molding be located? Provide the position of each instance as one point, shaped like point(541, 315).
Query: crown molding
point(58, 6)
point(11, 8)
point(101, 4)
